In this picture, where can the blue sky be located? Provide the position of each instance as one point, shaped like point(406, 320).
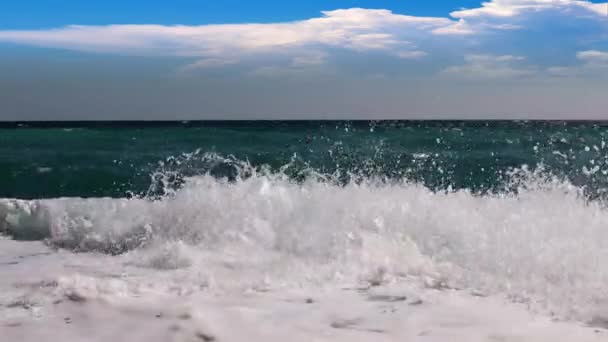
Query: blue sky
point(188, 59)
point(52, 13)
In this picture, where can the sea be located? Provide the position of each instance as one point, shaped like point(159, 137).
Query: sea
point(503, 209)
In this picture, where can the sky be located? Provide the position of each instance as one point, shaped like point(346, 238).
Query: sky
point(391, 59)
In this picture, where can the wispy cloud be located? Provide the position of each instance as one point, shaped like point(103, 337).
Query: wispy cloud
point(309, 58)
point(593, 63)
point(491, 67)
point(593, 56)
point(209, 63)
point(412, 54)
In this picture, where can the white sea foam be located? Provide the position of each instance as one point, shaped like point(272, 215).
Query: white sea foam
point(546, 246)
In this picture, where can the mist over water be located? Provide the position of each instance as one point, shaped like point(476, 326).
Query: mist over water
point(513, 209)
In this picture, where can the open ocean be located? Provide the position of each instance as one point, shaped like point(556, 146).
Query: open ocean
point(514, 210)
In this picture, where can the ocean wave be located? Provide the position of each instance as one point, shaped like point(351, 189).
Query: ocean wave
point(545, 244)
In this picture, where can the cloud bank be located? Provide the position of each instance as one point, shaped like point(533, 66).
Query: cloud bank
point(356, 30)
point(353, 29)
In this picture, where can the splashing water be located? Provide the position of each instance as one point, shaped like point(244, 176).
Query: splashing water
point(544, 244)
point(512, 209)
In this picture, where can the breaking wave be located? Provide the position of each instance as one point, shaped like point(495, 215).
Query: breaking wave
point(545, 244)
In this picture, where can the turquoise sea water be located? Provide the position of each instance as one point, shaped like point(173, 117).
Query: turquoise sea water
point(48, 160)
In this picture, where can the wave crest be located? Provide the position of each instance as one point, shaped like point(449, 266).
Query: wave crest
point(545, 243)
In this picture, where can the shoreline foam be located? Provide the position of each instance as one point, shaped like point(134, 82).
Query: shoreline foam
point(75, 297)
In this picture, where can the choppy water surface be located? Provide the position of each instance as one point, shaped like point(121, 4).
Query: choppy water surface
point(515, 208)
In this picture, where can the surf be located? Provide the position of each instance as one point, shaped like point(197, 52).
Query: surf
point(544, 244)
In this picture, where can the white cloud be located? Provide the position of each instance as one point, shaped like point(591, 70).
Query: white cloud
point(373, 41)
point(593, 56)
point(304, 63)
point(511, 8)
point(594, 63)
point(510, 14)
point(274, 71)
point(561, 71)
point(601, 8)
point(309, 58)
point(209, 63)
point(458, 28)
point(490, 67)
point(356, 28)
point(311, 42)
point(412, 54)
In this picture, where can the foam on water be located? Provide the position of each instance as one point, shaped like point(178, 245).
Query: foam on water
point(546, 245)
